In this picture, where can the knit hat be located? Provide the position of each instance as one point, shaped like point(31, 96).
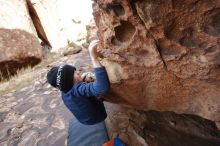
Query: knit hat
point(61, 77)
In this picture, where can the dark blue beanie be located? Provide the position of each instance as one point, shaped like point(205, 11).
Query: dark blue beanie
point(61, 77)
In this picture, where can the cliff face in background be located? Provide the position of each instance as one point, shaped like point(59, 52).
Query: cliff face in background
point(162, 54)
point(19, 45)
point(56, 22)
point(29, 28)
point(45, 18)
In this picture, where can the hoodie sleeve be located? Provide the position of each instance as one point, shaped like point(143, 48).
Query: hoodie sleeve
point(97, 88)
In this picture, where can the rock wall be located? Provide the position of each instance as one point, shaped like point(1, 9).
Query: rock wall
point(46, 20)
point(19, 45)
point(55, 21)
point(151, 128)
point(162, 54)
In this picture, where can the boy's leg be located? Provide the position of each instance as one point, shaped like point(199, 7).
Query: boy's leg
point(86, 135)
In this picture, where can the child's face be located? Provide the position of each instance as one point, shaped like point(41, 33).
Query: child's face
point(77, 77)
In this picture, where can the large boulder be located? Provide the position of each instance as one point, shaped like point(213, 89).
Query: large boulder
point(19, 45)
point(59, 22)
point(162, 54)
point(45, 18)
point(152, 128)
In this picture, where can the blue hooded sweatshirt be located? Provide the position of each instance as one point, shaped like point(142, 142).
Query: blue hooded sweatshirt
point(82, 102)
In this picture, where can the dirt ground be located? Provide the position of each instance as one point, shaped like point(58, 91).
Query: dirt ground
point(35, 114)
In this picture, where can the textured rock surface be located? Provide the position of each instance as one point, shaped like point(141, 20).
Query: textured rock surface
point(19, 45)
point(162, 54)
point(138, 128)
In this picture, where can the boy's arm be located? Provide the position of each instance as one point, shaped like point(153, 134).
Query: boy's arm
point(93, 53)
point(97, 88)
point(101, 85)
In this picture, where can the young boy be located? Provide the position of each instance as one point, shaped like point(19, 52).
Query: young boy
point(78, 96)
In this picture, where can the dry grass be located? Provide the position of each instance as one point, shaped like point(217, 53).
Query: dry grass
point(22, 79)
point(24, 76)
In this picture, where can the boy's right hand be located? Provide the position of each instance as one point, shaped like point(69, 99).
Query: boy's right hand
point(93, 48)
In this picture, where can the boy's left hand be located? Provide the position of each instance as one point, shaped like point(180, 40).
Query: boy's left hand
point(88, 77)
